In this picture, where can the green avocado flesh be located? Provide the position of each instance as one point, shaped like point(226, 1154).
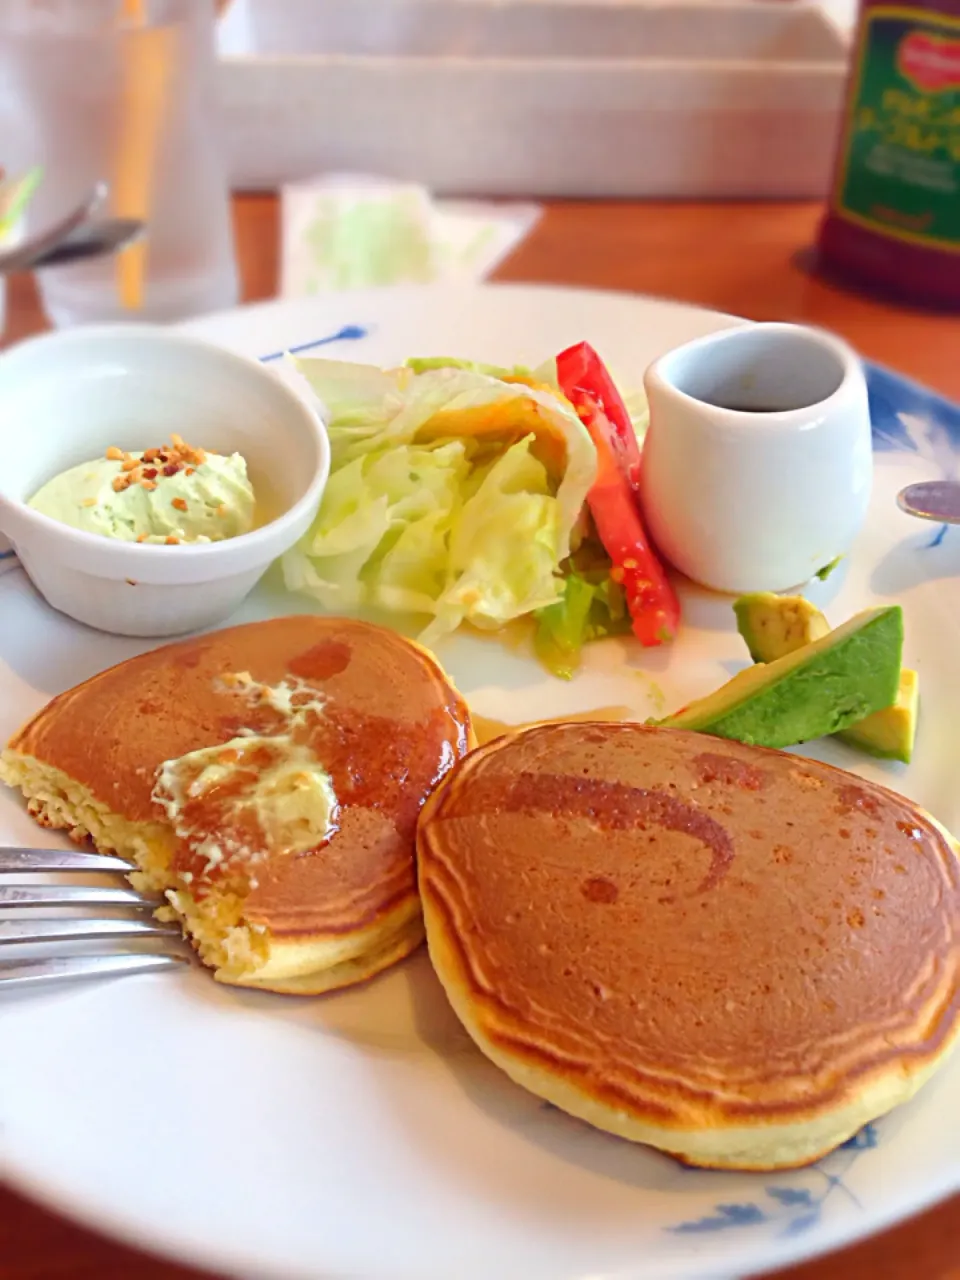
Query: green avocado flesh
point(773, 626)
point(816, 690)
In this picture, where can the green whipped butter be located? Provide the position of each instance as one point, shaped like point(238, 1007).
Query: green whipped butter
point(172, 494)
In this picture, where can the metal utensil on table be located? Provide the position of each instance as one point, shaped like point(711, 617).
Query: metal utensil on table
point(56, 933)
point(19, 257)
point(90, 240)
point(937, 500)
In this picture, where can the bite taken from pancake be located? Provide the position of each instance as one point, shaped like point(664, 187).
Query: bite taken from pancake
point(731, 954)
point(267, 780)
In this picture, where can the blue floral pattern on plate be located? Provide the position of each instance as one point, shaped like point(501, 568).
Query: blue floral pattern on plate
point(908, 418)
point(792, 1208)
point(349, 333)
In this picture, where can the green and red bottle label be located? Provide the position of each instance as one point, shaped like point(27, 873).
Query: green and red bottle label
point(900, 163)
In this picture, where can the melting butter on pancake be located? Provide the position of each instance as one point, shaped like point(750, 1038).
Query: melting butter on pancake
point(735, 955)
point(267, 780)
point(256, 794)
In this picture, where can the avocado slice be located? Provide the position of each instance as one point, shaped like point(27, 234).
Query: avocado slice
point(819, 689)
point(891, 732)
point(773, 626)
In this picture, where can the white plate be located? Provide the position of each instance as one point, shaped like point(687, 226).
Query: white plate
point(361, 1134)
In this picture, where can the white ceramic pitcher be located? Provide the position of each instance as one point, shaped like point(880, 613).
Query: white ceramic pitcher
point(757, 465)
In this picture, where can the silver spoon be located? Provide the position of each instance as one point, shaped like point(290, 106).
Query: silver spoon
point(20, 256)
point(937, 500)
point(91, 240)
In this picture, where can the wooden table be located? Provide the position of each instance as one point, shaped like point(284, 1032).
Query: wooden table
point(742, 258)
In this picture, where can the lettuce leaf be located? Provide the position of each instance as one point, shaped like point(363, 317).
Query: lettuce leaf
point(421, 364)
point(452, 494)
point(591, 607)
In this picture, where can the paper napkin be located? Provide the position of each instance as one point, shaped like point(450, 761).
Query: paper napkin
point(343, 232)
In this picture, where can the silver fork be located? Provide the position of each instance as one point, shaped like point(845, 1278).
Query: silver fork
point(58, 932)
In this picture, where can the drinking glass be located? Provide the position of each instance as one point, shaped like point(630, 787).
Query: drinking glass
point(121, 91)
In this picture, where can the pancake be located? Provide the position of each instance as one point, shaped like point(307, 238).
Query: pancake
point(734, 955)
point(267, 779)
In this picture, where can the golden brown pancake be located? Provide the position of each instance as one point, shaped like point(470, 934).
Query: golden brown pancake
point(735, 955)
point(279, 884)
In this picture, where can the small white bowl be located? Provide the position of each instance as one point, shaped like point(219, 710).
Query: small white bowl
point(757, 465)
point(66, 397)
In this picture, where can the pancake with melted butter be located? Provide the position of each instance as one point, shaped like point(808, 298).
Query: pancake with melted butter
point(267, 779)
point(734, 955)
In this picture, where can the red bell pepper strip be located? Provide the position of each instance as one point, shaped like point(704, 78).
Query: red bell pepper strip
point(613, 498)
point(586, 382)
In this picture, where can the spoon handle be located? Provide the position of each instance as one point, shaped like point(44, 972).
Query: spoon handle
point(92, 241)
point(22, 257)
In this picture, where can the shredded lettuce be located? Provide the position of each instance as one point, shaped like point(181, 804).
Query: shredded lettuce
point(452, 494)
point(421, 364)
point(592, 606)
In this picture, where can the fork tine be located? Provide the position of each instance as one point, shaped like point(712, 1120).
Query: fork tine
point(19, 932)
point(19, 973)
point(74, 895)
point(28, 860)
